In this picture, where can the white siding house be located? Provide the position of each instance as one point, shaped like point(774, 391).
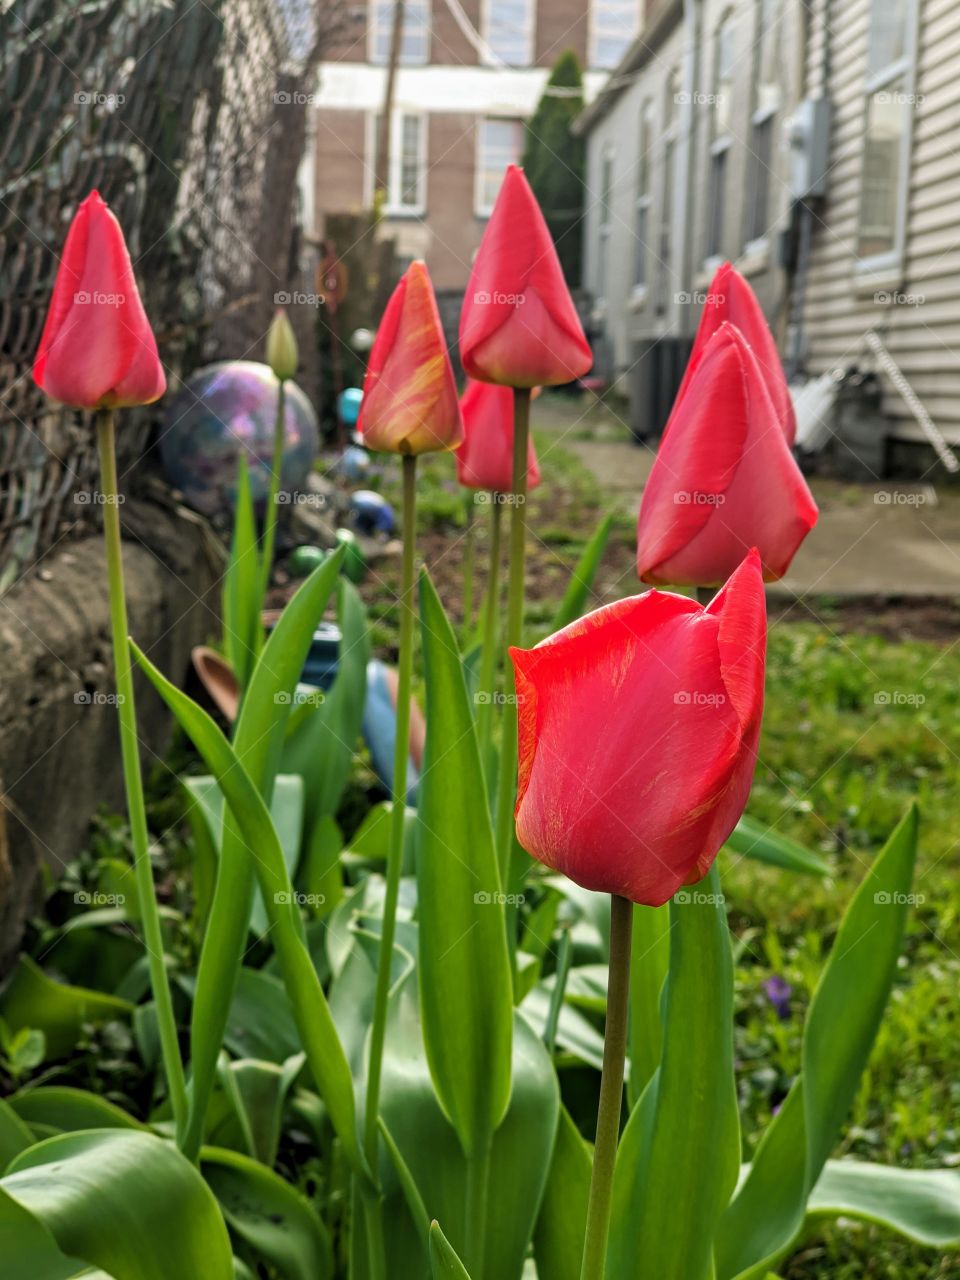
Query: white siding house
point(815, 145)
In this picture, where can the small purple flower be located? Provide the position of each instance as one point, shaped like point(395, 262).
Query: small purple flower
point(779, 992)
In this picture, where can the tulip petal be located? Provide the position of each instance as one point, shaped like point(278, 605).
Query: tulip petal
point(409, 394)
point(724, 478)
point(485, 458)
point(519, 326)
point(730, 298)
point(97, 347)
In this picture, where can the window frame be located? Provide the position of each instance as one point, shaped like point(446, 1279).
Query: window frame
point(374, 8)
point(391, 208)
point(480, 208)
point(643, 202)
point(905, 68)
point(720, 146)
point(594, 29)
point(531, 31)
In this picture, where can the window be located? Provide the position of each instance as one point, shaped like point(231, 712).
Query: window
point(671, 118)
point(886, 143)
point(723, 73)
point(606, 220)
point(508, 30)
point(768, 77)
point(641, 228)
point(415, 40)
point(499, 143)
point(614, 25)
point(407, 183)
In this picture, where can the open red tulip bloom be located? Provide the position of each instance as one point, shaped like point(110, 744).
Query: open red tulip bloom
point(638, 737)
point(409, 394)
point(519, 326)
point(97, 349)
point(724, 479)
point(730, 299)
point(485, 459)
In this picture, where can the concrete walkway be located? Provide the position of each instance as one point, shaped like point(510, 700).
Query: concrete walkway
point(891, 538)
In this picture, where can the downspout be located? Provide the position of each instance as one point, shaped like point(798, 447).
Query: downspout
point(797, 290)
point(681, 233)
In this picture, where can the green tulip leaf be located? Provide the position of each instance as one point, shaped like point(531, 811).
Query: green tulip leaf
point(286, 811)
point(53, 1109)
point(921, 1204)
point(649, 961)
point(123, 1201)
point(256, 1093)
point(467, 1023)
point(325, 1056)
point(575, 598)
point(444, 1263)
point(847, 1007)
point(434, 1159)
point(241, 595)
point(320, 745)
point(666, 1200)
point(31, 999)
point(562, 1224)
point(754, 840)
point(269, 1216)
point(15, 1136)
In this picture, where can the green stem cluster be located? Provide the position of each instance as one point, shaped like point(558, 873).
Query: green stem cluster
point(133, 782)
point(491, 618)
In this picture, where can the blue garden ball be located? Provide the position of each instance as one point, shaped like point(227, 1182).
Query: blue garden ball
point(222, 410)
point(348, 405)
point(371, 513)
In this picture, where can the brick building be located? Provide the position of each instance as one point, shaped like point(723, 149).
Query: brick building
point(470, 74)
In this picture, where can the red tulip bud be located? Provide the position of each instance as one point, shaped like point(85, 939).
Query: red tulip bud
point(724, 478)
point(638, 737)
point(485, 459)
point(409, 394)
point(519, 326)
point(97, 349)
point(731, 299)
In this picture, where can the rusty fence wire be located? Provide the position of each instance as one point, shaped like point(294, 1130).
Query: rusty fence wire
point(189, 117)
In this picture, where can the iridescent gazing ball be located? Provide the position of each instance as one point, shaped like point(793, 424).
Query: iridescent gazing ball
point(222, 410)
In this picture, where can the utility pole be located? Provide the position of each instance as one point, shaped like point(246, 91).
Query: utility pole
point(382, 167)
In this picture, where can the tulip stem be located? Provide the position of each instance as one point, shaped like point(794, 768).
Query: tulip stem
point(491, 617)
point(469, 563)
point(507, 780)
point(401, 756)
point(270, 515)
point(133, 781)
point(611, 1091)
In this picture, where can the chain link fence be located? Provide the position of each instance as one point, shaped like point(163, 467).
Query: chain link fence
point(189, 116)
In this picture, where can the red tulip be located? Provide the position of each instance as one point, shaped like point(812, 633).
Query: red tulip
point(519, 326)
point(97, 349)
point(485, 459)
point(724, 478)
point(638, 737)
point(731, 299)
point(409, 394)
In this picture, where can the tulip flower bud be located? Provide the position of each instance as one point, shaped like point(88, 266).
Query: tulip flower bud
point(730, 299)
point(519, 326)
point(724, 478)
point(97, 349)
point(409, 394)
point(485, 459)
point(638, 737)
point(282, 355)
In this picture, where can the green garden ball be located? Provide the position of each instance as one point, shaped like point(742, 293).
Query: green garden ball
point(303, 560)
point(354, 565)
